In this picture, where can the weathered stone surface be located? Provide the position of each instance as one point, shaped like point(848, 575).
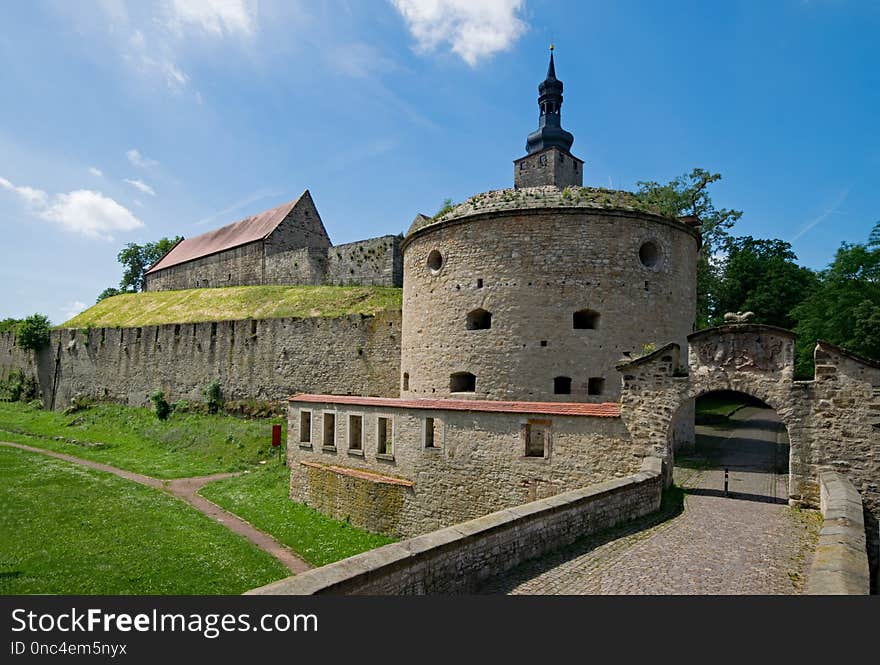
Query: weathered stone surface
point(532, 268)
point(267, 359)
point(449, 562)
point(840, 565)
point(477, 465)
point(829, 419)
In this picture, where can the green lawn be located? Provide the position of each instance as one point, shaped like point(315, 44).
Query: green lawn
point(236, 303)
point(722, 404)
point(261, 498)
point(65, 529)
point(187, 444)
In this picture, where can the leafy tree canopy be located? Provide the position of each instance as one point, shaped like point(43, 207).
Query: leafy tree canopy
point(759, 276)
point(137, 259)
point(844, 309)
point(689, 195)
point(109, 292)
point(33, 332)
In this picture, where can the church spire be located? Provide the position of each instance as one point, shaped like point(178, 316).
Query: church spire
point(550, 133)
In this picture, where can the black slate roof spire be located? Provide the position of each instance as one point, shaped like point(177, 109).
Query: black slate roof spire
point(549, 133)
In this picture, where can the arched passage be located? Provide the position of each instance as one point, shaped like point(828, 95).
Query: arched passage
point(736, 435)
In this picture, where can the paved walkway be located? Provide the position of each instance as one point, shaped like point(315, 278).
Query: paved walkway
point(187, 489)
point(750, 542)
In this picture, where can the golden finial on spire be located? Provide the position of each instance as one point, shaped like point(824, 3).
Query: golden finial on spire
point(552, 47)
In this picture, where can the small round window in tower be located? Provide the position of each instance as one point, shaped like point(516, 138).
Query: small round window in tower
point(649, 254)
point(435, 261)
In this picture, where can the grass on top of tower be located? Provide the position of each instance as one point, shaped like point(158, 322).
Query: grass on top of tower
point(236, 303)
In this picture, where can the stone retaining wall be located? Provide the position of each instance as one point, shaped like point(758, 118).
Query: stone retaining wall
point(264, 359)
point(840, 563)
point(459, 559)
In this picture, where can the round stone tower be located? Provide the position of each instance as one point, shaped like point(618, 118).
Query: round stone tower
point(535, 293)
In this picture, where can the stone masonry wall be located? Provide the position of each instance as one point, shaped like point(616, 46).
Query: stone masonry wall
point(549, 167)
point(267, 359)
point(461, 558)
point(831, 420)
point(239, 266)
point(14, 358)
point(532, 269)
point(373, 262)
point(478, 464)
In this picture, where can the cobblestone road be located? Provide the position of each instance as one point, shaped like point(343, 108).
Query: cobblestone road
point(750, 542)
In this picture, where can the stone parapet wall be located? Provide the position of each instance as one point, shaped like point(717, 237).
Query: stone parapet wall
point(460, 558)
point(478, 462)
point(267, 359)
point(840, 563)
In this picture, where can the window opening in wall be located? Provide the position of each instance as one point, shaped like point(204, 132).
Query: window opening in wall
point(595, 385)
point(480, 283)
point(406, 380)
point(479, 319)
point(435, 260)
point(585, 319)
point(543, 342)
point(329, 430)
point(462, 382)
point(305, 426)
point(562, 385)
point(430, 433)
point(649, 254)
point(253, 328)
point(355, 432)
point(385, 445)
point(213, 331)
point(536, 438)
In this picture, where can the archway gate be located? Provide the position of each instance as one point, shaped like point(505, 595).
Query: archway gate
point(833, 420)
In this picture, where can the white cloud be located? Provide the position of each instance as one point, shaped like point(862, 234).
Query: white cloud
point(81, 211)
point(474, 29)
point(31, 196)
point(137, 159)
point(139, 184)
point(90, 213)
point(72, 309)
point(96, 172)
point(213, 17)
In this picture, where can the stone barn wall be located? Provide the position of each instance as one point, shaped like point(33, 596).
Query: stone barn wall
point(267, 359)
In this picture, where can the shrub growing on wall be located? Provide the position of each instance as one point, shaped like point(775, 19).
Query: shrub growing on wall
point(33, 332)
point(213, 397)
point(163, 408)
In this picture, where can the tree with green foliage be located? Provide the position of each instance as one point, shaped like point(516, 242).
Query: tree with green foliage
point(137, 259)
point(689, 195)
point(844, 309)
point(760, 276)
point(9, 325)
point(109, 292)
point(447, 206)
point(33, 332)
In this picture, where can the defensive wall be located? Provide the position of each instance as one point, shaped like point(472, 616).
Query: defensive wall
point(267, 359)
point(460, 558)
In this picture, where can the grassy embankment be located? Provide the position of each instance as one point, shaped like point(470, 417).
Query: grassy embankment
point(186, 445)
point(65, 529)
point(236, 303)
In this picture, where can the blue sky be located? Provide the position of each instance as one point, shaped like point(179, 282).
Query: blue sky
point(128, 121)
